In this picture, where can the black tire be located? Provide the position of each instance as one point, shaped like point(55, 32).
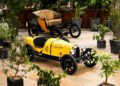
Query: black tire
point(56, 33)
point(89, 60)
point(68, 64)
point(30, 52)
point(33, 30)
point(74, 28)
point(65, 39)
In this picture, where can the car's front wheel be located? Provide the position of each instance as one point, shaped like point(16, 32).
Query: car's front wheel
point(30, 52)
point(68, 64)
point(90, 60)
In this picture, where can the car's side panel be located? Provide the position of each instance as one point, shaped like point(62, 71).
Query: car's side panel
point(47, 47)
point(29, 41)
point(60, 48)
point(56, 47)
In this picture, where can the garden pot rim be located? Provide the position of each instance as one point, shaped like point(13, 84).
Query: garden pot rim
point(14, 77)
point(108, 84)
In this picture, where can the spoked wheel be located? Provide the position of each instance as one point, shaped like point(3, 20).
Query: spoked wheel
point(74, 30)
point(90, 60)
point(68, 64)
point(32, 30)
point(56, 33)
point(30, 52)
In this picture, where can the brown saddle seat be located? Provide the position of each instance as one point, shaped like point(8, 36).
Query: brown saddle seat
point(49, 16)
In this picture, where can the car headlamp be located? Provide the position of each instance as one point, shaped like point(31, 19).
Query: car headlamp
point(72, 51)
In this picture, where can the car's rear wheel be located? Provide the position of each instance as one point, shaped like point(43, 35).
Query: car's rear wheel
point(68, 64)
point(32, 30)
point(30, 52)
point(75, 31)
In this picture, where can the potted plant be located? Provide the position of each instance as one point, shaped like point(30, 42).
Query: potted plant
point(101, 43)
point(93, 6)
point(7, 34)
point(78, 12)
point(48, 78)
point(115, 19)
point(14, 67)
point(105, 6)
point(109, 67)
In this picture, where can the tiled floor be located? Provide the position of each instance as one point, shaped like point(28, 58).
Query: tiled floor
point(84, 76)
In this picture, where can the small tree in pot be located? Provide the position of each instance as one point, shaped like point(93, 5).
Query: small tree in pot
point(101, 43)
point(14, 68)
point(109, 67)
point(78, 11)
point(115, 20)
point(6, 35)
point(48, 78)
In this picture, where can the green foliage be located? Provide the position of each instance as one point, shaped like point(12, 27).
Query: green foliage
point(48, 78)
point(102, 31)
point(115, 18)
point(16, 61)
point(109, 66)
point(99, 4)
point(78, 10)
point(60, 5)
point(6, 33)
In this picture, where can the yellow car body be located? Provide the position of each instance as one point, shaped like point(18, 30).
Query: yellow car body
point(60, 50)
point(52, 47)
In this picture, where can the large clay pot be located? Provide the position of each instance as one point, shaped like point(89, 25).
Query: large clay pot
point(103, 15)
point(89, 13)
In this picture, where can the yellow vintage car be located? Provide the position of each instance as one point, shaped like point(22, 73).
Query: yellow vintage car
point(60, 50)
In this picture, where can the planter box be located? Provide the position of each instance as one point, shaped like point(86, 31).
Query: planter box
point(6, 44)
point(89, 13)
point(101, 44)
point(103, 15)
point(115, 46)
point(15, 82)
point(3, 53)
point(78, 22)
point(94, 23)
point(67, 15)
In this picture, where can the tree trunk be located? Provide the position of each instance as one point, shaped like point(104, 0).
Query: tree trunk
point(106, 80)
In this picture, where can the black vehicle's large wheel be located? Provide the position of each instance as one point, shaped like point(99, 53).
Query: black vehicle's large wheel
point(30, 52)
point(74, 30)
point(33, 30)
point(56, 33)
point(90, 60)
point(68, 64)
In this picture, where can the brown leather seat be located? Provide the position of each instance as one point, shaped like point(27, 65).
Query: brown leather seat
point(49, 16)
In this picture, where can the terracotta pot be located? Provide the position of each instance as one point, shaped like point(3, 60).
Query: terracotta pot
point(5, 13)
point(89, 13)
point(22, 19)
point(103, 15)
point(67, 16)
